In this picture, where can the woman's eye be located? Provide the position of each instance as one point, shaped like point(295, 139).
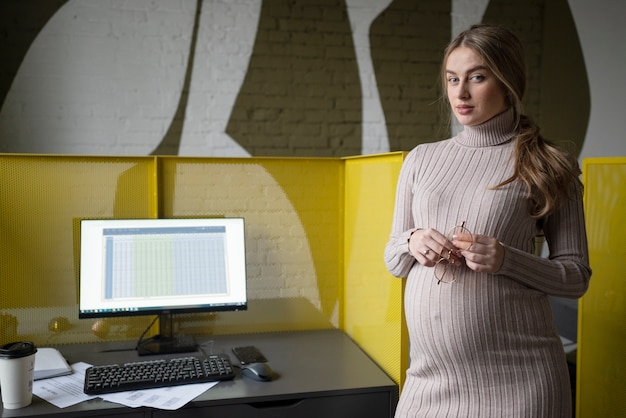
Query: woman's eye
point(477, 77)
point(453, 80)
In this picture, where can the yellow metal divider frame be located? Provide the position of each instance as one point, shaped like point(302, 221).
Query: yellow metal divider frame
point(373, 303)
point(601, 355)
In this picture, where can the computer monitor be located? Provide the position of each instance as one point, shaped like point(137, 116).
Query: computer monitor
point(161, 266)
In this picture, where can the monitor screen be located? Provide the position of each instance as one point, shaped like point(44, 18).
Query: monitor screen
point(154, 266)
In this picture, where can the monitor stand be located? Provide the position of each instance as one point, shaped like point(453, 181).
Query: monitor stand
point(166, 342)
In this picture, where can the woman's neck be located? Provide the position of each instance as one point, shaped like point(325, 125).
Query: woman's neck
point(497, 130)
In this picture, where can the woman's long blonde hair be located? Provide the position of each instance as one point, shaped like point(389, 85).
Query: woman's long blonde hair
point(545, 169)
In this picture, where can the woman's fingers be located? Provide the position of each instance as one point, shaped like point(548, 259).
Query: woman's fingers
point(482, 253)
point(428, 246)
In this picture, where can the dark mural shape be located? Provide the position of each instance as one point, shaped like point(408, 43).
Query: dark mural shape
point(301, 94)
point(406, 52)
point(170, 144)
point(15, 40)
point(301, 97)
point(565, 91)
point(557, 95)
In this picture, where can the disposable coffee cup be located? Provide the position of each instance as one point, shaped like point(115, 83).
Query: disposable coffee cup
point(17, 365)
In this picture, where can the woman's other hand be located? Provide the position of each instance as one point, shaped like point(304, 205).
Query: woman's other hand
point(481, 252)
point(428, 246)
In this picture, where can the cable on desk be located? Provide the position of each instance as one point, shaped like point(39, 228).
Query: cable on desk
point(141, 341)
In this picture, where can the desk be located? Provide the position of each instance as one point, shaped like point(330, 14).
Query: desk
point(319, 374)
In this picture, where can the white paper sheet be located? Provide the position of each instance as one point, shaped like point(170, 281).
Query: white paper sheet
point(169, 398)
point(64, 391)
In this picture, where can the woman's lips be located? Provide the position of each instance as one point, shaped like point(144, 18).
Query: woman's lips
point(464, 110)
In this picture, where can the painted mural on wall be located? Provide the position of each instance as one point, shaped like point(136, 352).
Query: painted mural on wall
point(252, 77)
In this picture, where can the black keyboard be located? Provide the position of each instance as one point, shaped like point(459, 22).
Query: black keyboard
point(156, 374)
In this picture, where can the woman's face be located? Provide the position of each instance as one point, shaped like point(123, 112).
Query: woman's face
point(475, 93)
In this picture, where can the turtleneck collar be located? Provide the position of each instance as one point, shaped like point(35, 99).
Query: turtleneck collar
point(495, 131)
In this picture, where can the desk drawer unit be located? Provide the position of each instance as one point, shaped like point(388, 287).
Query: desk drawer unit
point(371, 405)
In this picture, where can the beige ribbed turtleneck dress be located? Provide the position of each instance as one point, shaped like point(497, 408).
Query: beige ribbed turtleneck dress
point(484, 346)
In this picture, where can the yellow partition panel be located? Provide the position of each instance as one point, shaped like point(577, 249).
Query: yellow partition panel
point(293, 215)
point(42, 199)
point(373, 301)
point(601, 357)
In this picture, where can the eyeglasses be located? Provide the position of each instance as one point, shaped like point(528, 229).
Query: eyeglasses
point(445, 270)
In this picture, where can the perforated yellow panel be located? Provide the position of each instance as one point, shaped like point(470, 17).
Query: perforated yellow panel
point(601, 357)
point(373, 308)
point(41, 201)
point(292, 208)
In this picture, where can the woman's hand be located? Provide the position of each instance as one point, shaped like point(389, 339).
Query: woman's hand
point(428, 246)
point(482, 253)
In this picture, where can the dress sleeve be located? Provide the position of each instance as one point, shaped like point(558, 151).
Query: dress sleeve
point(566, 271)
point(397, 257)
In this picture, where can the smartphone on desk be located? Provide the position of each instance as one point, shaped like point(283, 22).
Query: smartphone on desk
point(249, 354)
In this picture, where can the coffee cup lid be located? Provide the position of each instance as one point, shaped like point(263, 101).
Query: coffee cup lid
point(17, 350)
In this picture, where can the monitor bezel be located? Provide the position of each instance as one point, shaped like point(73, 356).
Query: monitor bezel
point(161, 310)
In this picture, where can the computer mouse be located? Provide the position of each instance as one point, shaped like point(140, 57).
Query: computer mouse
point(257, 371)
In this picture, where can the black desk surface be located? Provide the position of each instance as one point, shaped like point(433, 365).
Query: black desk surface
point(307, 364)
